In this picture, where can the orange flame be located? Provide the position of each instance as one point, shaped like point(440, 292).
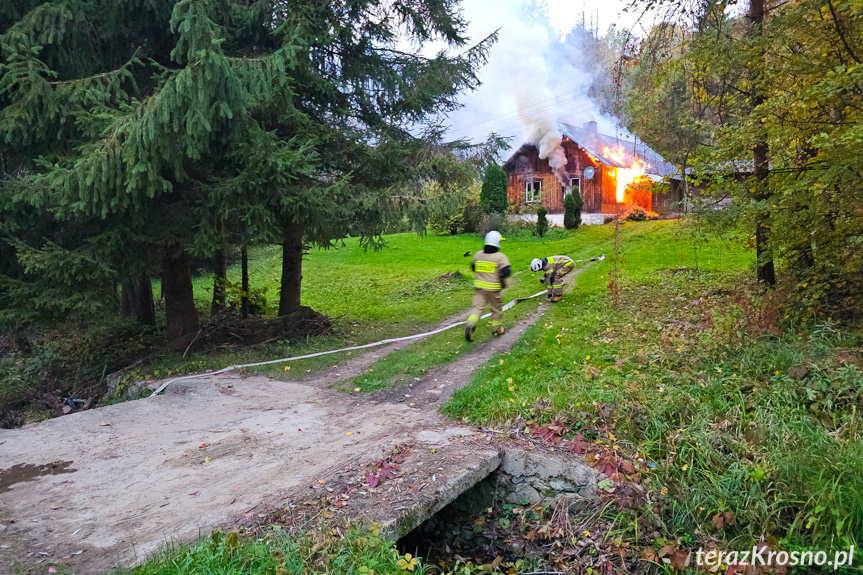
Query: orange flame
point(635, 173)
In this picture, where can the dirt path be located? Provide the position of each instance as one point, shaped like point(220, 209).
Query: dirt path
point(110, 485)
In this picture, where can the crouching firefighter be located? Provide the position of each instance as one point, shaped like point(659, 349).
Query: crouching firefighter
point(555, 268)
point(491, 268)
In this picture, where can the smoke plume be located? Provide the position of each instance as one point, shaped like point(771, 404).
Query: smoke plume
point(536, 77)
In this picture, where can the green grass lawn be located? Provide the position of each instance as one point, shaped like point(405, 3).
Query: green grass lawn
point(399, 285)
point(734, 426)
point(696, 371)
point(412, 284)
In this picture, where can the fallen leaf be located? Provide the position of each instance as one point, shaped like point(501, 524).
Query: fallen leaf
point(203, 445)
point(666, 550)
point(287, 368)
point(194, 493)
point(52, 570)
point(678, 559)
point(208, 459)
point(349, 433)
point(357, 389)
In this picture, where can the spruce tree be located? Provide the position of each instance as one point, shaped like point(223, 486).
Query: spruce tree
point(492, 198)
point(201, 124)
point(572, 210)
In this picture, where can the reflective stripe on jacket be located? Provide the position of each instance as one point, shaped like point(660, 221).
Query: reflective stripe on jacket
point(488, 270)
point(559, 264)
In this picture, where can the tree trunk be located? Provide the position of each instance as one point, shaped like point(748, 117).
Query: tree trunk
point(765, 270)
point(219, 281)
point(181, 317)
point(292, 269)
point(244, 298)
point(137, 300)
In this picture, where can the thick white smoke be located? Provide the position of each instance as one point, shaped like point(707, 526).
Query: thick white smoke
point(534, 79)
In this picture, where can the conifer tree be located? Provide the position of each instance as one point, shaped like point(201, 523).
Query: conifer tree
point(541, 221)
point(572, 206)
point(200, 124)
point(492, 198)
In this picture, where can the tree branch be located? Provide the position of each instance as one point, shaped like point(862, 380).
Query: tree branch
point(839, 31)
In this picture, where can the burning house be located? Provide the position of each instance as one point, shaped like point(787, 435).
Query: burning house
point(610, 174)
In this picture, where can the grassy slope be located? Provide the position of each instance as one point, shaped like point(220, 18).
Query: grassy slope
point(684, 372)
point(680, 372)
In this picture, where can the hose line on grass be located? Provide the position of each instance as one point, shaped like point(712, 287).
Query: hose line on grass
point(509, 305)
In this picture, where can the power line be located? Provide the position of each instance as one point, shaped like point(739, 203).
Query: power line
point(512, 124)
point(530, 110)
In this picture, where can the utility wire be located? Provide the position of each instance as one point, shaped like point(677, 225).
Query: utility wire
point(509, 125)
point(532, 109)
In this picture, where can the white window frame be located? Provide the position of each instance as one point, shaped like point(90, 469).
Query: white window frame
point(568, 190)
point(533, 191)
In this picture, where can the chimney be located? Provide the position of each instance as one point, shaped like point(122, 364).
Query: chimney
point(590, 126)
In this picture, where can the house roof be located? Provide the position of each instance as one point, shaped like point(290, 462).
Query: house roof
point(593, 143)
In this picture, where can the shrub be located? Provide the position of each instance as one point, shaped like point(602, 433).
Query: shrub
point(471, 216)
point(490, 222)
point(541, 221)
point(572, 211)
point(638, 214)
point(492, 198)
point(464, 218)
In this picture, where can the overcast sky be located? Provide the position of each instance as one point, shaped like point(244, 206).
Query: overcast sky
point(522, 72)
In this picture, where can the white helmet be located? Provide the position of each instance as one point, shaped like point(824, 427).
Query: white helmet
point(535, 264)
point(493, 239)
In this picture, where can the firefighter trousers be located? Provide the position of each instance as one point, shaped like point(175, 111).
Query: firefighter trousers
point(556, 289)
point(481, 299)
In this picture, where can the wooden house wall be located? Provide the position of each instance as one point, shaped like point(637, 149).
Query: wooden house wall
point(670, 201)
point(528, 166)
point(609, 191)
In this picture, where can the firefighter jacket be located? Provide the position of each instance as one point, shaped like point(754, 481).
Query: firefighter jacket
point(491, 269)
point(558, 265)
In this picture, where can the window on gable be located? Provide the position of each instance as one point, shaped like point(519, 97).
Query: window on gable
point(532, 191)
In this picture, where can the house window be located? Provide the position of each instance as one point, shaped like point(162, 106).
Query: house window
point(532, 191)
point(574, 184)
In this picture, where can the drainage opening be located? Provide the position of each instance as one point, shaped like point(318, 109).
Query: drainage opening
point(479, 528)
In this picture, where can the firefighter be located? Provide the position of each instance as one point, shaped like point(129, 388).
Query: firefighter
point(491, 268)
point(555, 268)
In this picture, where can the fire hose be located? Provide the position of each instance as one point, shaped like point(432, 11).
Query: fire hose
point(508, 305)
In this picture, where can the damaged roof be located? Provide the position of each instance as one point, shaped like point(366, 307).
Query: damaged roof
point(593, 143)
